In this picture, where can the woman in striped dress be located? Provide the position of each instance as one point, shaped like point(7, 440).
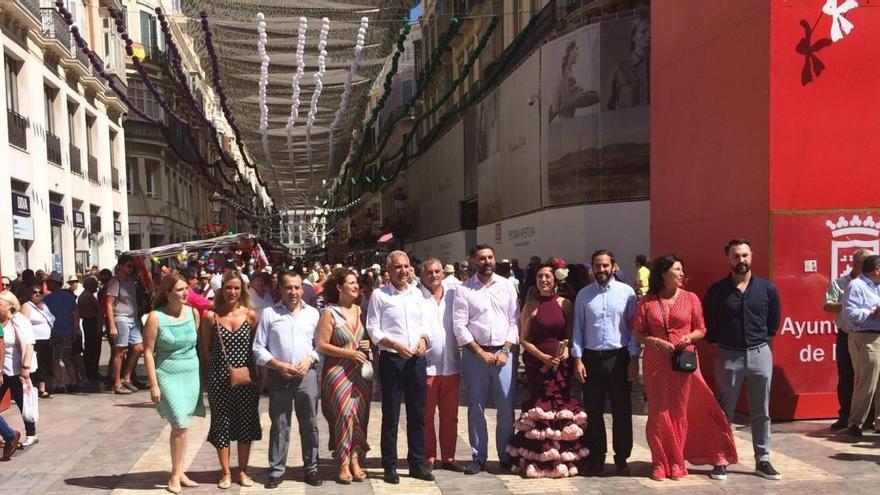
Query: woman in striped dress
point(345, 390)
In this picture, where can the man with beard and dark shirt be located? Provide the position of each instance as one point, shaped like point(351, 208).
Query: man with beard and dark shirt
point(742, 314)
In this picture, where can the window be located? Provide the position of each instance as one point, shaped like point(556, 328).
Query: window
point(90, 123)
point(10, 69)
point(148, 31)
point(407, 90)
point(130, 174)
point(50, 108)
point(150, 167)
point(71, 122)
point(143, 99)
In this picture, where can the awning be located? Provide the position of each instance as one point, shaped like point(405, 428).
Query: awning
point(386, 237)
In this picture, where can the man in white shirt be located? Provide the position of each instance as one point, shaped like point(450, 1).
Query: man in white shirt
point(260, 292)
point(396, 323)
point(485, 320)
point(443, 368)
point(285, 344)
point(449, 281)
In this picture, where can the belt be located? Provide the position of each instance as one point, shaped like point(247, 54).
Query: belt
point(865, 331)
point(491, 348)
point(606, 352)
point(751, 348)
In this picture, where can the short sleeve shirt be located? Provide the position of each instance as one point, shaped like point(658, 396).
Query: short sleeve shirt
point(62, 304)
point(125, 293)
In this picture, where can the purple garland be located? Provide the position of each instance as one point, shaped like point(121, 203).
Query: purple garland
point(221, 93)
point(142, 71)
point(177, 66)
point(122, 95)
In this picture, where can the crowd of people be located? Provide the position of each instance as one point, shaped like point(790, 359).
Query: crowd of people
point(318, 339)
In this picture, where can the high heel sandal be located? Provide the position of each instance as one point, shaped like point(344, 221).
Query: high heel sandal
point(359, 477)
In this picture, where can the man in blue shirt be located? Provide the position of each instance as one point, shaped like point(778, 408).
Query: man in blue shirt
point(63, 305)
point(607, 361)
point(742, 314)
point(861, 309)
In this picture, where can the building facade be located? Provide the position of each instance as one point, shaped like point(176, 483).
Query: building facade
point(62, 143)
point(169, 200)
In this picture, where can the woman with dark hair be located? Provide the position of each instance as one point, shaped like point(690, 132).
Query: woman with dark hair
point(346, 385)
point(547, 438)
point(226, 341)
point(685, 422)
point(172, 364)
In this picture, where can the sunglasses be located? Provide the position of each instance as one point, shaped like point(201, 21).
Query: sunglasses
point(37, 293)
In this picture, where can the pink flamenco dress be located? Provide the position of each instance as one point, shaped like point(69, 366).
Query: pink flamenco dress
point(547, 436)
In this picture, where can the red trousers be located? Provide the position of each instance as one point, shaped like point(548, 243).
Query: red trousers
point(442, 393)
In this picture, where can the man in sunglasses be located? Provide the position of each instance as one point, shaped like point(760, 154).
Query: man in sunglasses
point(124, 323)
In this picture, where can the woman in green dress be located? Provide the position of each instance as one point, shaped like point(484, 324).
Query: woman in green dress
point(172, 363)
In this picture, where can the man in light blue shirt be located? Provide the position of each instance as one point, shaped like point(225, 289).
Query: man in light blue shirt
point(285, 344)
point(861, 309)
point(606, 361)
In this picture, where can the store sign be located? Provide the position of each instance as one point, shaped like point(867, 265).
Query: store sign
point(56, 214)
point(157, 228)
point(56, 262)
point(117, 227)
point(21, 205)
point(22, 228)
point(79, 219)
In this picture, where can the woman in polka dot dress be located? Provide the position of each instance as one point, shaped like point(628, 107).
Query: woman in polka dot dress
point(685, 422)
point(235, 415)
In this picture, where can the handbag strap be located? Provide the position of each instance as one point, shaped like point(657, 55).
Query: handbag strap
point(219, 328)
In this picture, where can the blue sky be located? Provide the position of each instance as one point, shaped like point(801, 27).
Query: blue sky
point(415, 12)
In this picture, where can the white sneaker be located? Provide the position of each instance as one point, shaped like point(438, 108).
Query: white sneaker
point(30, 440)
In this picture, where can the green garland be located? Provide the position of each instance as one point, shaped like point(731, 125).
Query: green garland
point(468, 67)
point(423, 80)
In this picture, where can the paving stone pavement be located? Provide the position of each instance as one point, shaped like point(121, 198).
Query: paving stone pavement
point(99, 443)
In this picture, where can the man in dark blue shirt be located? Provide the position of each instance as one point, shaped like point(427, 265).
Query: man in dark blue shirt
point(742, 315)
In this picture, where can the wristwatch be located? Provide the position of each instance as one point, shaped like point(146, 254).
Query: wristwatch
point(505, 350)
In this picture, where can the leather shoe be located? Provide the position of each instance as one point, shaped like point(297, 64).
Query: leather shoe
point(474, 467)
point(622, 469)
point(273, 482)
point(505, 465)
point(421, 473)
point(840, 424)
point(452, 466)
point(10, 446)
point(313, 479)
point(595, 469)
point(391, 476)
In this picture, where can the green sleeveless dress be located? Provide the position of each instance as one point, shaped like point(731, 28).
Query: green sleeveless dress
point(177, 369)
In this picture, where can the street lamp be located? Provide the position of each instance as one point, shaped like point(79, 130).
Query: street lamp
point(216, 205)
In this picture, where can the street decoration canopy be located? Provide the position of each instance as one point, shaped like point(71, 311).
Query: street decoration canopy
point(295, 76)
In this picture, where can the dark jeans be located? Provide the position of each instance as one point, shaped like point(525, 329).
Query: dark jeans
point(13, 383)
point(43, 349)
point(91, 347)
point(403, 380)
point(845, 376)
point(607, 377)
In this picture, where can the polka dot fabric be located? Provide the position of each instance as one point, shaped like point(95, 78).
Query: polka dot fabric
point(235, 414)
point(685, 422)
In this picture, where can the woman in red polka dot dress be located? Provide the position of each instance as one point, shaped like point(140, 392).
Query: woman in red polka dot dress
point(685, 422)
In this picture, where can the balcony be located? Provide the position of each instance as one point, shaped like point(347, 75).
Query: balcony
point(55, 29)
point(114, 178)
point(17, 128)
point(53, 149)
point(76, 160)
point(135, 129)
point(25, 11)
point(93, 168)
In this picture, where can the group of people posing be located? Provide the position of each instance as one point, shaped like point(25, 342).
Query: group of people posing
point(419, 339)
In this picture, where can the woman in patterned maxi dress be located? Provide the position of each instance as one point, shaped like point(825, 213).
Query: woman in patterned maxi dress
point(345, 393)
point(685, 422)
point(235, 413)
point(173, 368)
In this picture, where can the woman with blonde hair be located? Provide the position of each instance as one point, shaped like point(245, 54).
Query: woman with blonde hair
point(18, 358)
point(172, 364)
point(227, 339)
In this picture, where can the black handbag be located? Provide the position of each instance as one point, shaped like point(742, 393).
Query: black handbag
point(682, 360)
